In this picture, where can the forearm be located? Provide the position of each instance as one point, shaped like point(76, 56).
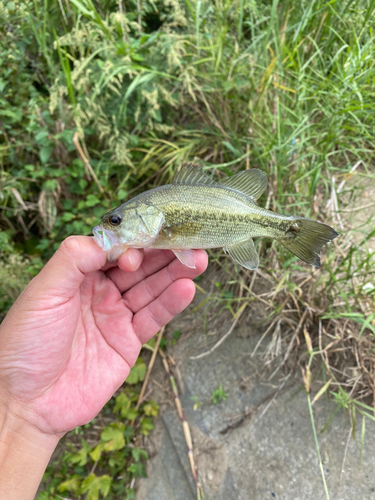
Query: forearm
point(24, 455)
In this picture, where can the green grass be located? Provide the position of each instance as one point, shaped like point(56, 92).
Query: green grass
point(282, 86)
point(219, 395)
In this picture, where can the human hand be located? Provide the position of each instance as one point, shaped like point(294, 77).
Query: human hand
point(70, 339)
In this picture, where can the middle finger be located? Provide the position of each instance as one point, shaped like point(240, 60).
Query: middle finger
point(151, 287)
point(153, 261)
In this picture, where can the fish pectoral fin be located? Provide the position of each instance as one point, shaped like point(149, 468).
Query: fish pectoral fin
point(244, 254)
point(186, 257)
point(252, 182)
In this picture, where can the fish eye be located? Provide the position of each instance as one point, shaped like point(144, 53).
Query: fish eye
point(114, 220)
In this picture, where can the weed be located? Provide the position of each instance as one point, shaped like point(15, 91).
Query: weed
point(197, 402)
point(176, 335)
point(219, 395)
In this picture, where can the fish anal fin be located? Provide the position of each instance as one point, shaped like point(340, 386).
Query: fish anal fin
point(252, 182)
point(186, 257)
point(191, 174)
point(244, 253)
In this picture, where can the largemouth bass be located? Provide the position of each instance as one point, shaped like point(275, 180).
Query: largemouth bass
point(196, 211)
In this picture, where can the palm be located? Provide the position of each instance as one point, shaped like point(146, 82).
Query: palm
point(78, 347)
point(87, 369)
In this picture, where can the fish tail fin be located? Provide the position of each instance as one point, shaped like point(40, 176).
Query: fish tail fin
point(305, 239)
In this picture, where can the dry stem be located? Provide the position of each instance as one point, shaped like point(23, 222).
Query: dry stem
point(185, 425)
point(86, 162)
point(149, 368)
point(238, 315)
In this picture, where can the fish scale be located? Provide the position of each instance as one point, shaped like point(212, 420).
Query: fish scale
point(196, 211)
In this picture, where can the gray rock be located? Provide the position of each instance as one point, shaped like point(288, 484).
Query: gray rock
point(257, 445)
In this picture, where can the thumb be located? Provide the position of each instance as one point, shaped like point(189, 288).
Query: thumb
point(65, 271)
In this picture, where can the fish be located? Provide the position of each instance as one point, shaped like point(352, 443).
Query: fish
point(197, 211)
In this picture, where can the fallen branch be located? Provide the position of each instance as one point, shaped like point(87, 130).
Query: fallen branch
point(185, 426)
point(149, 368)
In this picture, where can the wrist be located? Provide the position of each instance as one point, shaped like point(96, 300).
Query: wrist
point(24, 454)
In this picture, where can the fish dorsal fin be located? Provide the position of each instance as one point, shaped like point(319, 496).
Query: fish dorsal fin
point(192, 174)
point(244, 254)
point(252, 182)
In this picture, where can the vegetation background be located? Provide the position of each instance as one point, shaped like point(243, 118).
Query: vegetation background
point(102, 99)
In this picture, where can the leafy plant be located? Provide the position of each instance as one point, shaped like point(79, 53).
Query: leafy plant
point(197, 402)
point(219, 395)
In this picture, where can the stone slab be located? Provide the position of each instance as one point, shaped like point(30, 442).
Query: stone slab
point(271, 453)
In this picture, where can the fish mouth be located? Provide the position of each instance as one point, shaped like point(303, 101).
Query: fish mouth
point(104, 239)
